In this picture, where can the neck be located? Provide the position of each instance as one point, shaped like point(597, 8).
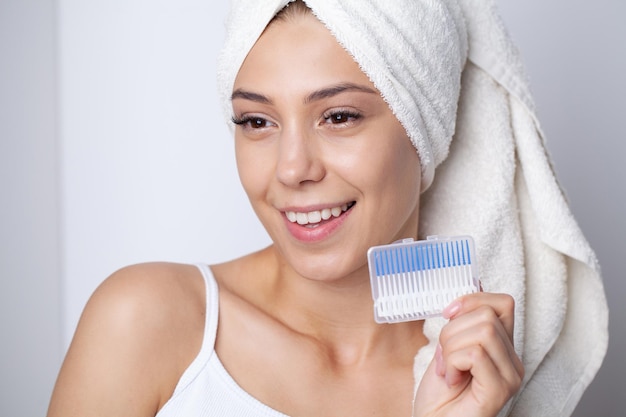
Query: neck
point(338, 315)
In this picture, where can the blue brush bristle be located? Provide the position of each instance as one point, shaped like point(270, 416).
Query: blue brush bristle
point(401, 259)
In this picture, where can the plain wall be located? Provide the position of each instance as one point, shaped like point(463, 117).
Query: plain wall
point(148, 165)
point(111, 115)
point(30, 278)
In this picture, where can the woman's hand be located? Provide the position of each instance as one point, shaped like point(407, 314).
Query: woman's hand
point(475, 370)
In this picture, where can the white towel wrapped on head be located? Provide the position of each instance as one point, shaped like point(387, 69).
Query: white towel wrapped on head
point(423, 97)
point(450, 73)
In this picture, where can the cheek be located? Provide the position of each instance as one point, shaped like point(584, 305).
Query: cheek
point(403, 175)
point(252, 167)
point(396, 172)
point(404, 163)
point(407, 165)
point(389, 163)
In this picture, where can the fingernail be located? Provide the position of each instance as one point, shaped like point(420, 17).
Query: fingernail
point(451, 309)
point(439, 368)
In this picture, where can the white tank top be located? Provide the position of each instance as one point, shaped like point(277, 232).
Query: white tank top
point(206, 389)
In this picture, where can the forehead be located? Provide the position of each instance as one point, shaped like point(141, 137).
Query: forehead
point(299, 51)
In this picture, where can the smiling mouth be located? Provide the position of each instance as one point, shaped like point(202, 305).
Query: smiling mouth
point(317, 216)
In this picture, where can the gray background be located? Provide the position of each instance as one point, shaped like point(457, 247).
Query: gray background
point(126, 84)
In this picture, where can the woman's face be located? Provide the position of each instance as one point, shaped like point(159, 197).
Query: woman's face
point(327, 167)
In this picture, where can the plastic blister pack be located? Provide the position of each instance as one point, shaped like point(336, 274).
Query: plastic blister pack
point(415, 280)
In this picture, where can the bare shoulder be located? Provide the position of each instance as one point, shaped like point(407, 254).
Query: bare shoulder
point(155, 300)
point(158, 291)
point(138, 332)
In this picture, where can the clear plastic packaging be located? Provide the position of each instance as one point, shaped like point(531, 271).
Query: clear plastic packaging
point(415, 280)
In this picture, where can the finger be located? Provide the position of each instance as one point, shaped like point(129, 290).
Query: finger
point(484, 314)
point(480, 326)
point(489, 388)
point(490, 340)
point(502, 304)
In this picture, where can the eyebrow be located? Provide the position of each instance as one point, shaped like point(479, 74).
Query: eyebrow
point(248, 95)
point(314, 96)
point(337, 89)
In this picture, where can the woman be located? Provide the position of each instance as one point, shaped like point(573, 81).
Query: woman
point(330, 168)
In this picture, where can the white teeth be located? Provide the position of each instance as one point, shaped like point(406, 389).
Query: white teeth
point(314, 217)
point(302, 218)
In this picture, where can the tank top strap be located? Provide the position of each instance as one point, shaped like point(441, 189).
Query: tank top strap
point(210, 329)
point(212, 307)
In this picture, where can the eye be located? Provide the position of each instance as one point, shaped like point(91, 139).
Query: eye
point(252, 122)
point(341, 117)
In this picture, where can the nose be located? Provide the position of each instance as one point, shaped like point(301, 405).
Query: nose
point(299, 158)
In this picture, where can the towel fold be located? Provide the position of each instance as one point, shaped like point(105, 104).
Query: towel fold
point(432, 60)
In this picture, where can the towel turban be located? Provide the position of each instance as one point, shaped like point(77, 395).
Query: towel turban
point(412, 50)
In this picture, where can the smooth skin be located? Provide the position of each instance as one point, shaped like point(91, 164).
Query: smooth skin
point(312, 133)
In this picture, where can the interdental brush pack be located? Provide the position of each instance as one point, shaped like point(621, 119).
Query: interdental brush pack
point(415, 280)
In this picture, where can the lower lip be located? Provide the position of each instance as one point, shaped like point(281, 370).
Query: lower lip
point(320, 231)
